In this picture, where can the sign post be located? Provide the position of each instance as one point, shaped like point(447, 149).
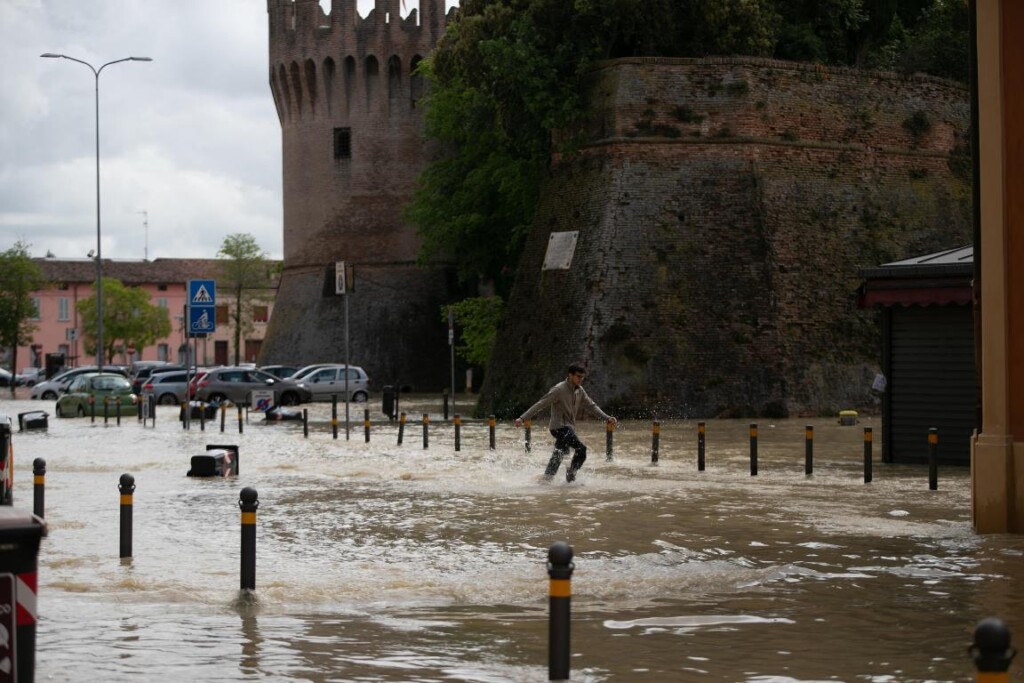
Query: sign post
point(201, 318)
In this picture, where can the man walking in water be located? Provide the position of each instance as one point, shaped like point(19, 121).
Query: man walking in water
point(567, 399)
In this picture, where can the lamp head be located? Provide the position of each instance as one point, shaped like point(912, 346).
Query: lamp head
point(51, 55)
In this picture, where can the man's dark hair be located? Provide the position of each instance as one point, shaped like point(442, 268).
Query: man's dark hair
point(576, 368)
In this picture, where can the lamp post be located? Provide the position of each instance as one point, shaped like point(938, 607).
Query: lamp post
point(99, 249)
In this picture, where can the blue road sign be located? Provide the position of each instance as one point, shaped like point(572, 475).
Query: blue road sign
point(201, 320)
point(202, 293)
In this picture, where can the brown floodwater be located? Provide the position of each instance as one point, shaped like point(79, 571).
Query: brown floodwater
point(380, 562)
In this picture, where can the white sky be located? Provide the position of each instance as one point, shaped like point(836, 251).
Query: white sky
point(191, 138)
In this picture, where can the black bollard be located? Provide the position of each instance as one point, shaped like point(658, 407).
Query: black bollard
point(655, 439)
point(458, 432)
point(560, 567)
point(117, 410)
point(867, 455)
point(39, 487)
point(609, 449)
point(700, 446)
point(241, 419)
point(106, 410)
point(490, 426)
point(445, 396)
point(127, 488)
point(248, 503)
point(183, 414)
point(92, 410)
point(401, 428)
point(202, 418)
point(152, 411)
point(991, 651)
point(528, 424)
point(305, 422)
point(933, 465)
point(426, 431)
point(809, 450)
point(334, 415)
point(366, 424)
point(753, 449)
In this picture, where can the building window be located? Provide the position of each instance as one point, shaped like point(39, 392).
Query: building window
point(162, 302)
point(63, 312)
point(162, 352)
point(222, 314)
point(64, 349)
point(37, 310)
point(161, 288)
point(260, 314)
point(342, 143)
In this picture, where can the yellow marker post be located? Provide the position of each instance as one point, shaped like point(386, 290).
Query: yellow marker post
point(560, 568)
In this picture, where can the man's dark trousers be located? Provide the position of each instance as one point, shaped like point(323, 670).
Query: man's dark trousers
point(565, 438)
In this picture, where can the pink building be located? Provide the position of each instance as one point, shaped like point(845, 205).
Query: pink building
point(70, 280)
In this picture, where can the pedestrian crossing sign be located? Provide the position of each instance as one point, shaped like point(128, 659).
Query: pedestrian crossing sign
point(202, 293)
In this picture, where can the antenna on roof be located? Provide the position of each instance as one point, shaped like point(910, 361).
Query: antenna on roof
point(145, 226)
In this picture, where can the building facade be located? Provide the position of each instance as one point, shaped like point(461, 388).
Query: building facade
point(58, 324)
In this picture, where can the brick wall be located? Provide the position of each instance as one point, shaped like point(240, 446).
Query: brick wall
point(724, 209)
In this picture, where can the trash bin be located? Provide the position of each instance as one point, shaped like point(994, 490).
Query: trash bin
point(33, 419)
point(218, 461)
point(20, 532)
point(6, 461)
point(847, 418)
point(388, 402)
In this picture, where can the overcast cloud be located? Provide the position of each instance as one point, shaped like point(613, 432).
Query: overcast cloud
point(191, 138)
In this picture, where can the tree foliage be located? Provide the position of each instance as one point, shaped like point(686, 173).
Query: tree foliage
point(478, 319)
point(129, 319)
point(19, 278)
point(244, 276)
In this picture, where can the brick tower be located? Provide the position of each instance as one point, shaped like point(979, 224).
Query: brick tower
point(347, 98)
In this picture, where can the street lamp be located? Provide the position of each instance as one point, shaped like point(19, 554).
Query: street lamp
point(99, 252)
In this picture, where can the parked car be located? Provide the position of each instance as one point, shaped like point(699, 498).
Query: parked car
point(52, 388)
point(282, 371)
point(93, 388)
point(328, 381)
point(6, 379)
point(168, 387)
point(144, 372)
point(28, 377)
point(236, 384)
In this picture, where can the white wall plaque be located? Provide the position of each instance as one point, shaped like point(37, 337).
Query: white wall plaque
point(561, 247)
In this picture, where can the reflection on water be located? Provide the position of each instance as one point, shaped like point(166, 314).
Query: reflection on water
point(379, 562)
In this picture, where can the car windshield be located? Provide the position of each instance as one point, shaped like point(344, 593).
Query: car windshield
point(111, 384)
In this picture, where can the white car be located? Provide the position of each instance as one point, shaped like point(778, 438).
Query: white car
point(327, 381)
point(28, 377)
point(52, 388)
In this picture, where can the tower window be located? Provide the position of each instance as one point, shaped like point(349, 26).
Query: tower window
point(342, 143)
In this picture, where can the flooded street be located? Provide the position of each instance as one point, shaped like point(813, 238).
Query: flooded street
point(380, 562)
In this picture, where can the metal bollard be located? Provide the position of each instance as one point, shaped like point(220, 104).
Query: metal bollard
point(426, 431)
point(39, 487)
point(609, 430)
point(241, 420)
point(248, 502)
point(92, 410)
point(152, 411)
point(183, 414)
point(458, 432)
point(445, 396)
point(700, 446)
point(867, 455)
point(528, 424)
point(809, 450)
point(991, 651)
point(305, 422)
point(202, 418)
point(117, 410)
point(127, 488)
point(753, 449)
point(490, 425)
point(933, 465)
point(106, 410)
point(401, 428)
point(560, 568)
point(366, 424)
point(334, 415)
point(655, 439)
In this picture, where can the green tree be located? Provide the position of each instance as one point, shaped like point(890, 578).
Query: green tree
point(245, 274)
point(478, 319)
point(19, 278)
point(129, 319)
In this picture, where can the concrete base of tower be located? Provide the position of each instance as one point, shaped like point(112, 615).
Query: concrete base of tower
point(396, 328)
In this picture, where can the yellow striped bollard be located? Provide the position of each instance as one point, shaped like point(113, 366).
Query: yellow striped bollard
point(528, 425)
point(401, 428)
point(39, 487)
point(609, 431)
point(490, 427)
point(700, 447)
point(426, 431)
point(933, 459)
point(126, 486)
point(248, 502)
point(458, 432)
point(117, 409)
point(560, 568)
point(366, 425)
point(655, 440)
point(106, 410)
point(753, 449)
point(334, 414)
point(867, 455)
point(241, 419)
point(809, 450)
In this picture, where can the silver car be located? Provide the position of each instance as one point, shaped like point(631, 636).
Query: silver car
point(236, 384)
point(327, 381)
point(167, 388)
point(52, 388)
